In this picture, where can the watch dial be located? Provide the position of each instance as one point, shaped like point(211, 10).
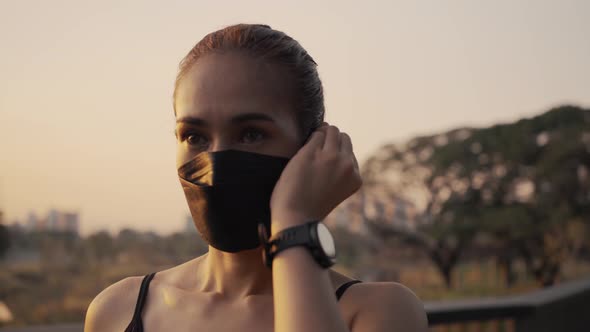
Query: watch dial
point(326, 240)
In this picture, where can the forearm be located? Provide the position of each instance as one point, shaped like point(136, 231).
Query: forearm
point(321, 175)
point(303, 294)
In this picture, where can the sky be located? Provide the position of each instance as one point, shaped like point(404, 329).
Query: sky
point(86, 120)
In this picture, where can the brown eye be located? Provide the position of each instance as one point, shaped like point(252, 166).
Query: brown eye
point(196, 139)
point(252, 135)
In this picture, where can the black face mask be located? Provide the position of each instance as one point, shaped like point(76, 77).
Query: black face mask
point(228, 193)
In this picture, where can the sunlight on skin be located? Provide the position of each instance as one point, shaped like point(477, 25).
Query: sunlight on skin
point(169, 299)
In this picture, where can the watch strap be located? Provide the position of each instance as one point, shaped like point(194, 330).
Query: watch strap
point(294, 236)
point(300, 235)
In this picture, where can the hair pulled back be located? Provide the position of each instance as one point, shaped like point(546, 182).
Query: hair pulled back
point(265, 43)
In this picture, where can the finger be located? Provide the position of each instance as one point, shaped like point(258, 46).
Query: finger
point(323, 128)
point(332, 142)
point(320, 128)
point(316, 141)
point(347, 148)
point(356, 163)
point(346, 145)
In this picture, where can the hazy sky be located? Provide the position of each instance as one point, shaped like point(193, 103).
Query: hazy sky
point(86, 121)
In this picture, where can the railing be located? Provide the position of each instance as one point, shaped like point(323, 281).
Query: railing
point(562, 308)
point(565, 307)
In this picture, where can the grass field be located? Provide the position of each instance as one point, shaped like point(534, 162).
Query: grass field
point(47, 294)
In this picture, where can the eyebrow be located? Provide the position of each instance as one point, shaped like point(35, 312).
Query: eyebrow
point(196, 121)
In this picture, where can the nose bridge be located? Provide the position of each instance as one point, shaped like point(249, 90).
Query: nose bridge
point(219, 142)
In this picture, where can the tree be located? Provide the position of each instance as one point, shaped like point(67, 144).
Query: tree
point(439, 224)
point(4, 240)
point(99, 247)
point(521, 183)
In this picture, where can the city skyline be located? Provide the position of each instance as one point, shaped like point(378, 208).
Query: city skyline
point(52, 220)
point(69, 221)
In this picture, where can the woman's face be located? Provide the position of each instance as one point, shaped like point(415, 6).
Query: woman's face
point(233, 101)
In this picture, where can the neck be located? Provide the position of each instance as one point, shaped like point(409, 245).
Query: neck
point(235, 274)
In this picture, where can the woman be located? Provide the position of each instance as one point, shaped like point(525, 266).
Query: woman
point(255, 159)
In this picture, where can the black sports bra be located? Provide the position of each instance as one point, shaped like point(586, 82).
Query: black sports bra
point(136, 324)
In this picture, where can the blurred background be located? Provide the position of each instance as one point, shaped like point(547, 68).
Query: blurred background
point(471, 121)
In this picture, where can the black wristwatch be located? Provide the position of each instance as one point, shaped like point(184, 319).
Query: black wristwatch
point(314, 235)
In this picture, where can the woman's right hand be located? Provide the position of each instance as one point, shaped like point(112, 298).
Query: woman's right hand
point(322, 174)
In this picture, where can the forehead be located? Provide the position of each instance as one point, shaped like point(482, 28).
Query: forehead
point(225, 84)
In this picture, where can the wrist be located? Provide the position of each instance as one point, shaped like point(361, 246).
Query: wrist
point(312, 236)
point(284, 220)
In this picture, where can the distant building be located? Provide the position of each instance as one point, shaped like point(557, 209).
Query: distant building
point(52, 220)
point(32, 221)
point(56, 221)
point(70, 222)
point(390, 209)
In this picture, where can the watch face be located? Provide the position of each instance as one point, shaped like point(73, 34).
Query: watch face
point(326, 240)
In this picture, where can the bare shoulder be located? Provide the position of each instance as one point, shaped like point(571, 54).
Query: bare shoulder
point(112, 309)
point(386, 306)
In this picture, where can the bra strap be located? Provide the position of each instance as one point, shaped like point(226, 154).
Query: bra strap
point(143, 291)
point(340, 291)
